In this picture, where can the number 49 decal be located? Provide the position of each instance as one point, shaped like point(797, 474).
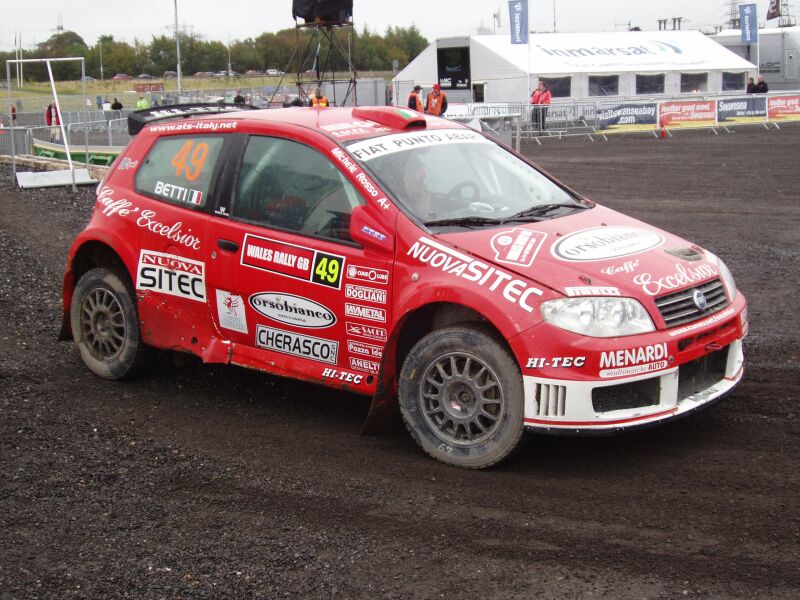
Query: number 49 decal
point(327, 269)
point(195, 155)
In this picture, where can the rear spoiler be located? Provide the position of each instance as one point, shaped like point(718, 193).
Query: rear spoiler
point(138, 119)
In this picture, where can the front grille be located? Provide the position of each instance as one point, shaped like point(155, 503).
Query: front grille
point(551, 400)
point(679, 308)
point(700, 374)
point(637, 394)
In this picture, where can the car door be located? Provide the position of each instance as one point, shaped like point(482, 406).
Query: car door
point(172, 190)
point(288, 285)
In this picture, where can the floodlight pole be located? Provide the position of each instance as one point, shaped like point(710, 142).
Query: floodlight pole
point(178, 47)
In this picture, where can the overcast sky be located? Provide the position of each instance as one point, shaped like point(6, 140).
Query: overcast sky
point(38, 19)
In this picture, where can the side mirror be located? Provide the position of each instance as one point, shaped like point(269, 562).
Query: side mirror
point(366, 231)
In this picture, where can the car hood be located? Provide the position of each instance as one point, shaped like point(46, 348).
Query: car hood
point(593, 252)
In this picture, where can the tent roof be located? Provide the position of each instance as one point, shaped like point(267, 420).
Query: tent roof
point(614, 52)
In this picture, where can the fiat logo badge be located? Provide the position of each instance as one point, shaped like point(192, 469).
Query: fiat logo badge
point(699, 300)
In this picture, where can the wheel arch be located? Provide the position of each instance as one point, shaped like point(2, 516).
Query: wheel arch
point(89, 255)
point(384, 413)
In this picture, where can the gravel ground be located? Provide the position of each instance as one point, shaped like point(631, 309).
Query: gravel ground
point(211, 481)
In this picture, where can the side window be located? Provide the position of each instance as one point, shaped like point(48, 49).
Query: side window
point(287, 185)
point(179, 169)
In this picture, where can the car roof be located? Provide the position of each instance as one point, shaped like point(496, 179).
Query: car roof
point(341, 123)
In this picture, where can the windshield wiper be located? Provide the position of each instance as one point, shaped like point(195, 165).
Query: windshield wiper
point(542, 210)
point(469, 221)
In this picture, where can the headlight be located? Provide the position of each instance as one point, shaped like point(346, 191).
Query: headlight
point(727, 278)
point(598, 317)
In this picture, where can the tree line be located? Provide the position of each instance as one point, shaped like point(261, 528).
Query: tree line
point(370, 52)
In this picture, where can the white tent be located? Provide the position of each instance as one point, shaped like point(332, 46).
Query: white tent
point(507, 72)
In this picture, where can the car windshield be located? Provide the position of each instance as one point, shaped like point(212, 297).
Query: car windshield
point(459, 178)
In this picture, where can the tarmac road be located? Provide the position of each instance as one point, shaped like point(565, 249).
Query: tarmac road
point(211, 481)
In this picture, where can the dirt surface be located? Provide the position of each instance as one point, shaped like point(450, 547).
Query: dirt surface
point(212, 481)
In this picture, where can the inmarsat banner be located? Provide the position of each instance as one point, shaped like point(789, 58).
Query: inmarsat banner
point(518, 18)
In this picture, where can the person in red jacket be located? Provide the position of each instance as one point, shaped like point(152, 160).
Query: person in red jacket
point(53, 120)
point(436, 103)
point(414, 101)
point(541, 99)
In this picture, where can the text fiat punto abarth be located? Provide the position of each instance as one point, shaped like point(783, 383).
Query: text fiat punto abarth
point(404, 257)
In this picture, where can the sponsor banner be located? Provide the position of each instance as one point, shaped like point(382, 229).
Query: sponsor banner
point(591, 290)
point(748, 20)
point(340, 375)
point(294, 261)
point(292, 310)
point(615, 363)
point(783, 108)
point(362, 349)
point(453, 262)
point(601, 243)
point(518, 21)
point(364, 293)
point(369, 332)
point(359, 273)
point(704, 323)
point(556, 362)
point(389, 144)
point(688, 114)
point(368, 366)
point(231, 311)
point(178, 193)
point(628, 117)
point(682, 277)
point(637, 370)
point(369, 313)
point(517, 246)
point(742, 110)
point(171, 274)
point(297, 344)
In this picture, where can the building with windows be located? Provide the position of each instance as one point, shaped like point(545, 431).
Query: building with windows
point(489, 68)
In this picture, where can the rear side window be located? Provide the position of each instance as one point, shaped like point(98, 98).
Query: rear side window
point(179, 169)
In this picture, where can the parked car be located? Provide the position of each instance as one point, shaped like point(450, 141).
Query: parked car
point(145, 76)
point(170, 74)
point(204, 74)
point(89, 78)
point(403, 257)
point(121, 77)
point(253, 73)
point(274, 73)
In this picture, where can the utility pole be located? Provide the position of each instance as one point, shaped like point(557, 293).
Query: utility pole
point(178, 48)
point(101, 58)
point(554, 16)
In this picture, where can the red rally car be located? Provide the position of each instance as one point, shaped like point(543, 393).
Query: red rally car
point(403, 257)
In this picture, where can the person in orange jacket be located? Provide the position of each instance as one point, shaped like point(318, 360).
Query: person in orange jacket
point(318, 98)
point(436, 103)
point(414, 101)
point(541, 99)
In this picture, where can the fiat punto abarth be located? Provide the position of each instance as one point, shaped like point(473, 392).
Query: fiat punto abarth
point(403, 257)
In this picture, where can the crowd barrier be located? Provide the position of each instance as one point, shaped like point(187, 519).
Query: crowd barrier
point(599, 117)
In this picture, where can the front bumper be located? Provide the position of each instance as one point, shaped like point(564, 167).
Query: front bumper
point(606, 406)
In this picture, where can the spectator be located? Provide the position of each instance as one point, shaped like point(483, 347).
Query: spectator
point(53, 120)
point(414, 101)
point(751, 86)
point(142, 104)
point(436, 103)
point(238, 98)
point(761, 85)
point(116, 105)
point(99, 101)
point(541, 99)
point(318, 98)
point(13, 114)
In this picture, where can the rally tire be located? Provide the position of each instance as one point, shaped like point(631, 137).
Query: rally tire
point(105, 324)
point(461, 397)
